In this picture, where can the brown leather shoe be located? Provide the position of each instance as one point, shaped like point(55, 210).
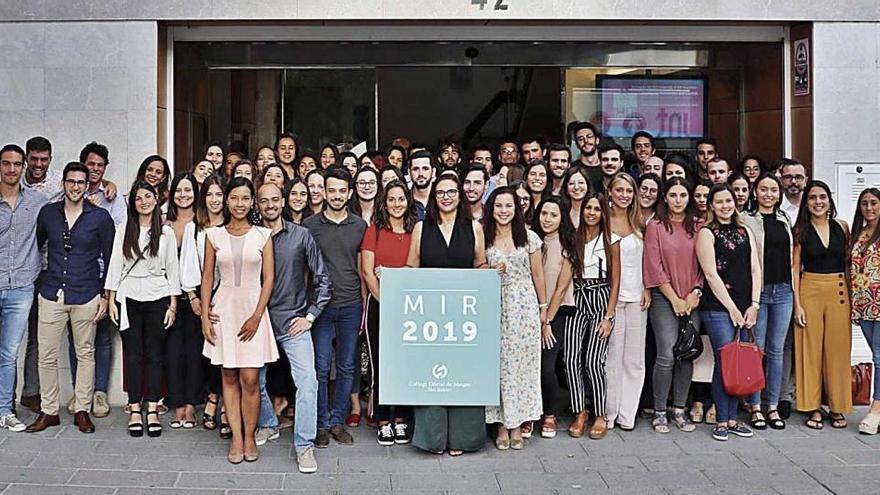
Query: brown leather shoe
point(576, 429)
point(43, 421)
point(32, 402)
point(599, 429)
point(83, 422)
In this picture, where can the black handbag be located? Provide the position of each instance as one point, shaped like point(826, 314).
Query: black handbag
point(688, 346)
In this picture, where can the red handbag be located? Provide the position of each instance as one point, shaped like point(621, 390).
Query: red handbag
point(742, 371)
point(861, 384)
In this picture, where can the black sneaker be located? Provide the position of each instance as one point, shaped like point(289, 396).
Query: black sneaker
point(741, 430)
point(385, 435)
point(400, 433)
point(322, 439)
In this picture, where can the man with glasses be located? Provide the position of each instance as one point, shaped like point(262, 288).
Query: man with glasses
point(794, 180)
point(78, 237)
point(586, 137)
point(19, 268)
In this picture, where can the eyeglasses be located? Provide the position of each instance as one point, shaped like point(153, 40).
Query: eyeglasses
point(66, 238)
point(366, 183)
point(72, 182)
point(450, 193)
point(790, 177)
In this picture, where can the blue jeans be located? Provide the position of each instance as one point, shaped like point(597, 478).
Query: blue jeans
point(771, 329)
point(301, 355)
point(871, 330)
point(344, 323)
point(15, 306)
point(103, 354)
point(720, 329)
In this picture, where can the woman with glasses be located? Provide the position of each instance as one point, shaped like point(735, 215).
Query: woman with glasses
point(366, 190)
point(523, 200)
point(448, 238)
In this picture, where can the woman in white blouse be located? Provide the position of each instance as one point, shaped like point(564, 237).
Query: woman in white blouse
point(143, 277)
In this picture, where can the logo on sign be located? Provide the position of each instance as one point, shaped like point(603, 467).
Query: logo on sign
point(439, 371)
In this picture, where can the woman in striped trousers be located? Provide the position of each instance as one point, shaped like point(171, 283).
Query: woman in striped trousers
point(597, 279)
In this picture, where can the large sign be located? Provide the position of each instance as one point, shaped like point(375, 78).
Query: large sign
point(439, 337)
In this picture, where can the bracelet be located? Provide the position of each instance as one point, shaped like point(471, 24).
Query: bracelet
point(543, 305)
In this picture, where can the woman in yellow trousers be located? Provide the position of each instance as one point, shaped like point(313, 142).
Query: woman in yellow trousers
point(823, 336)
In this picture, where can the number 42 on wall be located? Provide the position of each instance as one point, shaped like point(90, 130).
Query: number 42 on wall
point(499, 4)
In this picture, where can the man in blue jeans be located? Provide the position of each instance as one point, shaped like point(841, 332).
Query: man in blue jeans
point(19, 268)
point(293, 308)
point(338, 235)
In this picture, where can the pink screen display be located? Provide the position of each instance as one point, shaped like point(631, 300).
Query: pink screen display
point(667, 108)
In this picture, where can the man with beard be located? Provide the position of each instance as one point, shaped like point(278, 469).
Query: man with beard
point(293, 309)
point(653, 165)
point(611, 156)
point(78, 238)
point(338, 234)
point(421, 174)
point(286, 149)
point(482, 156)
point(586, 137)
point(533, 149)
point(559, 160)
point(508, 158)
point(450, 155)
point(474, 185)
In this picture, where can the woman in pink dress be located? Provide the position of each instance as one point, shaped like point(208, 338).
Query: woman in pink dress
point(238, 335)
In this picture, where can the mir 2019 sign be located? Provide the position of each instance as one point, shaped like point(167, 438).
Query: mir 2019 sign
point(440, 337)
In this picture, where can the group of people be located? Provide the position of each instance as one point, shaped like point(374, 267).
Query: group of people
point(242, 284)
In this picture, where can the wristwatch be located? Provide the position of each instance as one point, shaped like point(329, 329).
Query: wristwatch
point(310, 318)
point(609, 318)
point(698, 291)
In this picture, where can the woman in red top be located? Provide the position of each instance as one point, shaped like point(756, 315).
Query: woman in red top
point(386, 245)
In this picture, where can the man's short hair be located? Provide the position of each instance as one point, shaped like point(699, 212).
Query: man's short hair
point(605, 148)
point(339, 173)
point(718, 159)
point(706, 140)
point(421, 154)
point(38, 143)
point(558, 147)
point(96, 148)
point(74, 167)
point(13, 147)
point(585, 125)
point(644, 134)
point(475, 167)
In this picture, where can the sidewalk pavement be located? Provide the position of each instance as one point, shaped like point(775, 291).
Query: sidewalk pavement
point(797, 460)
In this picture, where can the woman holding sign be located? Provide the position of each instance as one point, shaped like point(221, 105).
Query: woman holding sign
point(448, 238)
point(386, 245)
point(515, 251)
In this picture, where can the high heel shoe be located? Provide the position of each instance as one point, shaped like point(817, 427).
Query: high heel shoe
point(870, 424)
point(154, 428)
point(225, 429)
point(136, 429)
point(209, 421)
point(576, 429)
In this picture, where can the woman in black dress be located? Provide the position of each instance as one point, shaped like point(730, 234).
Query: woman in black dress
point(448, 238)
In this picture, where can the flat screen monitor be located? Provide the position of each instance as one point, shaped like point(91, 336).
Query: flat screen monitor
point(667, 107)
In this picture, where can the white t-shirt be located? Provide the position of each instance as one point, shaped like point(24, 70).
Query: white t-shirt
point(790, 209)
point(631, 284)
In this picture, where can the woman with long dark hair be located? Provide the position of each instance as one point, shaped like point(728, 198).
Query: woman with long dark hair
point(184, 341)
point(575, 187)
point(296, 201)
point(865, 288)
point(305, 163)
point(242, 340)
point(524, 200)
point(671, 271)
point(328, 156)
point(143, 277)
point(274, 173)
point(553, 225)
point(536, 177)
point(315, 182)
point(648, 193)
point(386, 245)
point(515, 251)
point(729, 259)
point(596, 289)
point(822, 338)
point(448, 238)
point(202, 170)
point(265, 156)
point(742, 190)
point(214, 153)
point(155, 171)
point(366, 194)
point(348, 160)
point(389, 174)
point(773, 240)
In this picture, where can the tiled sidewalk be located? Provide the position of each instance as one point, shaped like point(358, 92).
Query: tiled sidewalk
point(796, 460)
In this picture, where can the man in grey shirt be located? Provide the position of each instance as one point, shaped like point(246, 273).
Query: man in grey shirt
point(339, 236)
point(19, 267)
point(293, 308)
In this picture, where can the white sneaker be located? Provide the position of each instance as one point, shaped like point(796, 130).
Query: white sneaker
point(306, 461)
point(100, 405)
point(264, 435)
point(71, 406)
point(11, 423)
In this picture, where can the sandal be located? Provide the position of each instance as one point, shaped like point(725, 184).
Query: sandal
point(646, 413)
point(136, 428)
point(154, 428)
point(209, 421)
point(697, 413)
point(777, 423)
point(813, 423)
point(758, 421)
point(548, 427)
point(660, 422)
point(527, 429)
point(870, 424)
point(455, 453)
point(710, 418)
point(838, 421)
point(225, 429)
point(176, 424)
point(682, 422)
